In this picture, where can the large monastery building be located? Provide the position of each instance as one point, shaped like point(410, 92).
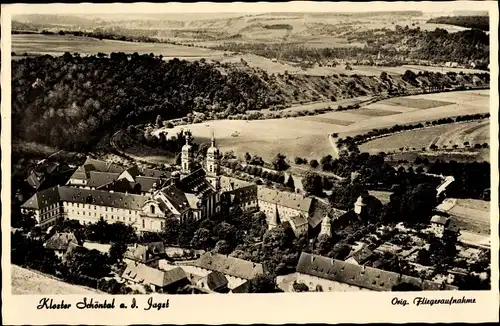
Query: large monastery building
point(144, 198)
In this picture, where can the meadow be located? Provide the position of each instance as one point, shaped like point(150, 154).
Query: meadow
point(58, 44)
point(309, 136)
point(474, 132)
point(25, 281)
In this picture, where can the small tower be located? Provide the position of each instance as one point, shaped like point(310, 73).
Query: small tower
point(359, 205)
point(274, 221)
point(213, 164)
point(326, 226)
point(187, 155)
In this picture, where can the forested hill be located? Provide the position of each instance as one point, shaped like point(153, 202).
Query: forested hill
point(67, 101)
point(479, 22)
point(70, 102)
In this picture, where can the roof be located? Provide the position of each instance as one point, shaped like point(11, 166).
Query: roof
point(141, 184)
point(61, 241)
point(243, 288)
point(196, 183)
point(227, 265)
point(439, 219)
point(177, 198)
point(102, 166)
point(243, 194)
point(228, 183)
point(383, 196)
point(320, 210)
point(287, 199)
point(155, 173)
point(145, 252)
point(56, 194)
point(216, 280)
point(297, 220)
point(42, 199)
point(35, 179)
point(96, 178)
point(343, 272)
point(361, 254)
point(140, 273)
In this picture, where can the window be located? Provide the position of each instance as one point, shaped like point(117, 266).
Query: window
point(143, 223)
point(152, 209)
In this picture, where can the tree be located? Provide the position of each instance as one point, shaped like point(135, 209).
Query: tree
point(314, 163)
point(90, 263)
point(405, 287)
point(300, 287)
point(312, 183)
point(116, 251)
point(248, 157)
point(280, 163)
point(202, 239)
point(290, 183)
point(222, 247)
point(263, 284)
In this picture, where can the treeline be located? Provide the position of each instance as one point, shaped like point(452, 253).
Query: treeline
point(435, 46)
point(71, 101)
point(479, 22)
point(349, 141)
point(278, 26)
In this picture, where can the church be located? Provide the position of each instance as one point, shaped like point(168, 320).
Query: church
point(141, 198)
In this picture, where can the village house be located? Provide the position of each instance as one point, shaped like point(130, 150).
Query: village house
point(60, 242)
point(236, 270)
point(324, 274)
point(359, 254)
point(215, 282)
point(439, 224)
point(148, 254)
point(159, 280)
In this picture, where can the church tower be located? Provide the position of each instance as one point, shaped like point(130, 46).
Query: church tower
point(187, 155)
point(326, 226)
point(213, 165)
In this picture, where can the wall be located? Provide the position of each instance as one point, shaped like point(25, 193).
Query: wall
point(285, 213)
point(327, 285)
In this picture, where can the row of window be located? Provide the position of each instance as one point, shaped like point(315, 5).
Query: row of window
point(106, 209)
point(117, 219)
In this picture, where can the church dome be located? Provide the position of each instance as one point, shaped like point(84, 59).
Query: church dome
point(213, 150)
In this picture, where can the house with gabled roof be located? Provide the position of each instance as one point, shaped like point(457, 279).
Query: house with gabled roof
point(60, 242)
point(331, 275)
point(148, 253)
point(236, 270)
point(159, 280)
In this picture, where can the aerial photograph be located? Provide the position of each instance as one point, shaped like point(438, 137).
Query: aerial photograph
point(250, 152)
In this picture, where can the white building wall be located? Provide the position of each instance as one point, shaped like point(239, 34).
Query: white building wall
point(327, 285)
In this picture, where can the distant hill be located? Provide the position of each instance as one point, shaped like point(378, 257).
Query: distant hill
point(476, 21)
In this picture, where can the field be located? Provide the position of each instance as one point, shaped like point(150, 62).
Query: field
point(470, 215)
point(57, 45)
point(25, 281)
point(475, 132)
point(309, 136)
